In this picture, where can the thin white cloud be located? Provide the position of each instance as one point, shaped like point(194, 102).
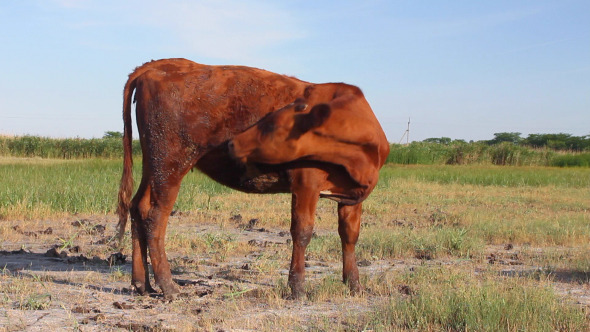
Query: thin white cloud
point(228, 30)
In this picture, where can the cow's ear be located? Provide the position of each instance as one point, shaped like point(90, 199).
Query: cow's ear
point(318, 114)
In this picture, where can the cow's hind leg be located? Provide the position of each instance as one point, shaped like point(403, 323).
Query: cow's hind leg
point(163, 197)
point(150, 210)
point(349, 221)
point(139, 210)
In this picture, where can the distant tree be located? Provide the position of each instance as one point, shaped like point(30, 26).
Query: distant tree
point(559, 141)
point(513, 138)
point(557, 144)
point(578, 143)
point(112, 134)
point(536, 140)
point(442, 140)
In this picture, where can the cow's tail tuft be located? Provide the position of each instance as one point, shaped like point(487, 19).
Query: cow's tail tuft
point(126, 186)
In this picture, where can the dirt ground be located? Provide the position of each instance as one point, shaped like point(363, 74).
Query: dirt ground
point(48, 284)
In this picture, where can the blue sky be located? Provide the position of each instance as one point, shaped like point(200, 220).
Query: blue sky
point(459, 69)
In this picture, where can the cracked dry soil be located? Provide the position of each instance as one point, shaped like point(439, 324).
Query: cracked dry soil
point(52, 282)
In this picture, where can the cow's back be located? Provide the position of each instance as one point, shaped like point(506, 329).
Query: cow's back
point(196, 107)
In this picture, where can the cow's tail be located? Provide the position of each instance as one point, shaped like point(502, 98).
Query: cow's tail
point(126, 186)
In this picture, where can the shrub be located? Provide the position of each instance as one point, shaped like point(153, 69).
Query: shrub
point(569, 160)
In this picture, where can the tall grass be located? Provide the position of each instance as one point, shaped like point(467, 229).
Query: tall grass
point(68, 148)
point(469, 153)
point(578, 160)
point(418, 153)
point(424, 153)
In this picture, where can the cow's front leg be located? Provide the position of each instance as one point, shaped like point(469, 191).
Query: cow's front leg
point(304, 201)
point(349, 222)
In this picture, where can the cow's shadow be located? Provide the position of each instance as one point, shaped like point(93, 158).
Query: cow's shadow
point(25, 264)
point(570, 276)
point(28, 265)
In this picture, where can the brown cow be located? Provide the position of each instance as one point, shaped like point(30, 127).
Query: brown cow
point(187, 113)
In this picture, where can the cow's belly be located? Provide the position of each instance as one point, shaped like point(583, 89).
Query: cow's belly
point(260, 178)
point(219, 166)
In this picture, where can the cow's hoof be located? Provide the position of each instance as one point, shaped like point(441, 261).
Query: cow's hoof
point(169, 297)
point(170, 290)
point(143, 289)
point(297, 294)
point(355, 288)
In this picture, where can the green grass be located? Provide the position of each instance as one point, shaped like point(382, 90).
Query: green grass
point(217, 245)
point(446, 300)
point(450, 209)
point(31, 188)
point(488, 175)
point(578, 160)
point(38, 187)
point(437, 214)
point(435, 298)
point(389, 243)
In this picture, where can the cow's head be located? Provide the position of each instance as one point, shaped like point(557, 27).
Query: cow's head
point(280, 136)
point(342, 131)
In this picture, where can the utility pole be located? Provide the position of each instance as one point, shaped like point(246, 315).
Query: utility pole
point(406, 134)
point(408, 131)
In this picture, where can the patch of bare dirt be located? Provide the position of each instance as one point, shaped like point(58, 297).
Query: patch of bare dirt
point(52, 280)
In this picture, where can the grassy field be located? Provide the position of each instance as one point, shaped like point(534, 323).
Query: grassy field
point(453, 248)
point(424, 153)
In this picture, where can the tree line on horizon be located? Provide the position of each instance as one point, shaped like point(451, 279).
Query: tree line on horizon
point(504, 149)
point(558, 142)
